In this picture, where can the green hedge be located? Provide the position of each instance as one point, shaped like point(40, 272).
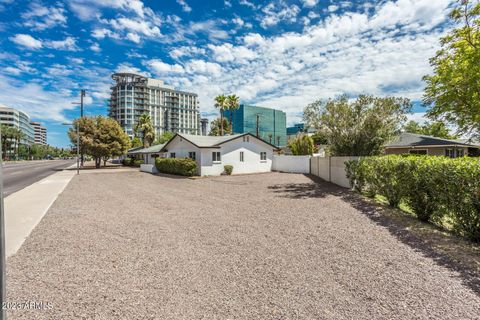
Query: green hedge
point(127, 161)
point(179, 166)
point(137, 163)
point(435, 188)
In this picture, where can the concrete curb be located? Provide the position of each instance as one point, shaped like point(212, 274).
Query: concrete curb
point(25, 208)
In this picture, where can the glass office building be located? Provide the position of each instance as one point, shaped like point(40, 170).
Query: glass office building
point(271, 124)
point(18, 119)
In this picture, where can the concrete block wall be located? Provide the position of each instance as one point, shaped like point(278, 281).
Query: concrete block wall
point(294, 164)
point(331, 169)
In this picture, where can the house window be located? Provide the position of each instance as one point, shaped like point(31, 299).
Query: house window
point(418, 151)
point(450, 153)
point(192, 155)
point(263, 156)
point(172, 154)
point(216, 157)
point(460, 153)
point(241, 156)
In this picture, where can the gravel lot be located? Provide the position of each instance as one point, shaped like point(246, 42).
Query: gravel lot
point(131, 245)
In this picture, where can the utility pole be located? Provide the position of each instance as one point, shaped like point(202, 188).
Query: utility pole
point(82, 94)
point(258, 120)
point(3, 257)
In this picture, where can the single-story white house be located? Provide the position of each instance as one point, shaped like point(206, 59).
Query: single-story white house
point(148, 155)
point(245, 152)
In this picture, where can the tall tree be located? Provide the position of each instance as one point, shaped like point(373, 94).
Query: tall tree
point(100, 137)
point(360, 127)
point(453, 90)
point(233, 104)
point(144, 126)
point(221, 103)
point(7, 140)
point(164, 137)
point(216, 127)
point(435, 129)
point(301, 145)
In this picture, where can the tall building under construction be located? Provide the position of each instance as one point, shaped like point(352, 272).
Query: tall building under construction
point(170, 109)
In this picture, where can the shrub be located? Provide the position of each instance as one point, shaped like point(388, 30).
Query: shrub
point(137, 163)
point(433, 187)
point(228, 169)
point(178, 166)
point(127, 161)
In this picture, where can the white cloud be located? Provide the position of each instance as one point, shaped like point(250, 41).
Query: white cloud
point(277, 12)
point(26, 40)
point(309, 3)
point(133, 37)
point(185, 6)
point(68, 44)
point(161, 68)
point(211, 69)
point(238, 21)
point(39, 17)
point(227, 52)
point(247, 3)
point(95, 47)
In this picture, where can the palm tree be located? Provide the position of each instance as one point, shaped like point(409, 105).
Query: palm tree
point(18, 135)
point(7, 135)
point(221, 102)
point(145, 127)
point(233, 102)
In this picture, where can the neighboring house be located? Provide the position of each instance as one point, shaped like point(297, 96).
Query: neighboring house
point(423, 144)
point(245, 152)
point(148, 155)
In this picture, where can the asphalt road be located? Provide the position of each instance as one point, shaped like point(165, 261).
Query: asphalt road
point(17, 176)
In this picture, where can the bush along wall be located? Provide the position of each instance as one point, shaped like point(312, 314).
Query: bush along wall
point(178, 166)
point(435, 188)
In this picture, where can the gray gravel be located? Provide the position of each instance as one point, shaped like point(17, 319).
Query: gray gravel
point(131, 245)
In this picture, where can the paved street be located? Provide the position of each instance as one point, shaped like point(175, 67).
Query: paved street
point(130, 245)
point(19, 175)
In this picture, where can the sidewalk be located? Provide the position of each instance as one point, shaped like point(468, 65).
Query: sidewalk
point(25, 208)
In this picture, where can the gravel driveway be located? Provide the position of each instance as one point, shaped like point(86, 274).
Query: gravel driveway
point(131, 245)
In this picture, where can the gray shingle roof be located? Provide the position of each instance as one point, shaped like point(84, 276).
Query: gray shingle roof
point(152, 149)
point(412, 140)
point(213, 141)
point(208, 141)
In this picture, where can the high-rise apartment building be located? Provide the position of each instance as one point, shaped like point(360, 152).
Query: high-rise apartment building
point(269, 124)
point(170, 109)
point(40, 133)
point(18, 119)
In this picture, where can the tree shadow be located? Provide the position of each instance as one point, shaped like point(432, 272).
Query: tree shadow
point(446, 250)
point(318, 188)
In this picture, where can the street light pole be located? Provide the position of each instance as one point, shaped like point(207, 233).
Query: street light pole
point(78, 149)
point(78, 144)
point(3, 256)
point(82, 94)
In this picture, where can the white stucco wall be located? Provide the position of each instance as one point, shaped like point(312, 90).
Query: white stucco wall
point(296, 164)
point(148, 168)
point(251, 155)
point(230, 155)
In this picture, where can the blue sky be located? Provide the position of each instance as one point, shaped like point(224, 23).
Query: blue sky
point(282, 54)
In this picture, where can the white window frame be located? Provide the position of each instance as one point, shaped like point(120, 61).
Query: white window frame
point(242, 156)
point(216, 157)
point(263, 153)
point(194, 155)
point(172, 155)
